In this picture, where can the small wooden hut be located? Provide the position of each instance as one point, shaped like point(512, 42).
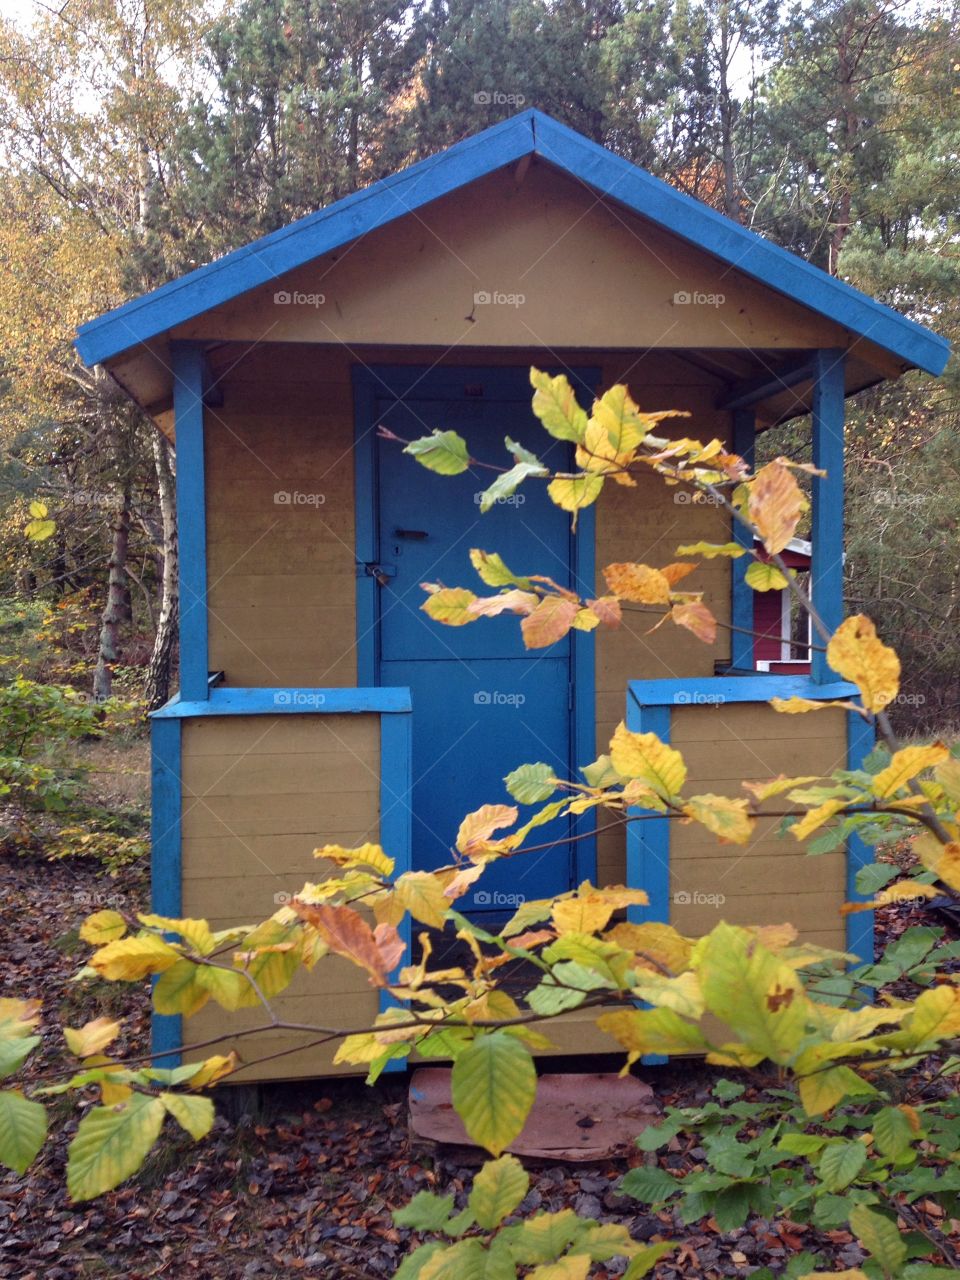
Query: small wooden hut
point(317, 703)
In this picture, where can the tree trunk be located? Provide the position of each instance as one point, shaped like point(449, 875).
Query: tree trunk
point(116, 609)
point(157, 687)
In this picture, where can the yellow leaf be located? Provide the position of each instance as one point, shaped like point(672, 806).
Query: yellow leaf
point(422, 894)
point(814, 818)
point(642, 1031)
point(904, 766)
point(367, 855)
point(775, 506)
point(796, 706)
point(710, 550)
point(92, 1037)
point(948, 775)
point(129, 959)
point(103, 926)
point(857, 654)
point(644, 756)
point(572, 493)
point(764, 576)
point(194, 932)
point(213, 1069)
point(191, 1113)
point(38, 510)
point(902, 891)
point(639, 583)
point(775, 786)
point(725, 817)
point(477, 827)
point(450, 605)
point(654, 944)
point(581, 915)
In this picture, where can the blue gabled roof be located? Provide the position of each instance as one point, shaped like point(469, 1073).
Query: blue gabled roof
point(530, 133)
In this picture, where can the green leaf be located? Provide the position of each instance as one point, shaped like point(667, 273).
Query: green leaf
point(531, 783)
point(494, 1083)
point(191, 1112)
point(521, 454)
point(413, 1265)
point(893, 1132)
point(647, 1258)
point(556, 406)
point(872, 878)
point(470, 1260)
point(497, 1191)
point(425, 1212)
point(111, 1144)
point(881, 1237)
point(23, 1127)
point(840, 1164)
point(802, 1144)
point(761, 575)
point(494, 572)
point(649, 1185)
point(444, 452)
point(14, 1053)
point(571, 493)
point(732, 1206)
point(506, 485)
point(542, 1238)
point(727, 1090)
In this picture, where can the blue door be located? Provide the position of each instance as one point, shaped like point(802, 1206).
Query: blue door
point(482, 703)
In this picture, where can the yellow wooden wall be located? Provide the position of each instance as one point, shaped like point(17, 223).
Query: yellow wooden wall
point(260, 793)
point(771, 880)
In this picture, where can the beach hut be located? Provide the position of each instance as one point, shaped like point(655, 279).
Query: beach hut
point(317, 703)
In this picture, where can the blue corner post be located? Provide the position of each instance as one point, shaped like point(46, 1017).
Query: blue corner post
point(741, 595)
point(861, 738)
point(188, 369)
point(826, 578)
point(165, 860)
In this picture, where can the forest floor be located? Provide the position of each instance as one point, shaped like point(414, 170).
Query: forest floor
point(305, 1184)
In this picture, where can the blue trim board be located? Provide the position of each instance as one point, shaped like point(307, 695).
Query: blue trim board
point(529, 133)
point(396, 822)
point(741, 595)
point(187, 363)
point(286, 702)
point(648, 841)
point(756, 688)
point(861, 737)
point(583, 727)
point(165, 868)
point(826, 569)
point(366, 505)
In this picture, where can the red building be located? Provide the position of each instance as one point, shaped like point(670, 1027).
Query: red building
point(782, 639)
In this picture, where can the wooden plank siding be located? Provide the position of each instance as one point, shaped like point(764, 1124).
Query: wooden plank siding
point(260, 793)
point(772, 879)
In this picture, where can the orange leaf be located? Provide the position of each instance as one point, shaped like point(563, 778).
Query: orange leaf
point(607, 609)
point(347, 934)
point(514, 601)
point(675, 572)
point(776, 505)
point(638, 582)
point(696, 617)
point(549, 622)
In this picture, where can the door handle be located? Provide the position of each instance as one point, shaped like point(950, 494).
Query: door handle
point(415, 535)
